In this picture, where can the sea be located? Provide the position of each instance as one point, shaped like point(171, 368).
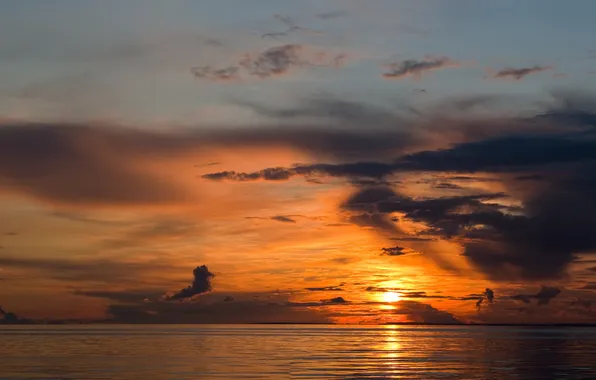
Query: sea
point(181, 352)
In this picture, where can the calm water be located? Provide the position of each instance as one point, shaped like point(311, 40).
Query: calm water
point(295, 352)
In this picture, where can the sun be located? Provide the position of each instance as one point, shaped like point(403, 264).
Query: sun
point(391, 297)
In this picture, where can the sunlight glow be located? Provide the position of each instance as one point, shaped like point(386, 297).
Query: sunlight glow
point(391, 297)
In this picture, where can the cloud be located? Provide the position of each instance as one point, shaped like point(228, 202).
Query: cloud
point(201, 284)
point(490, 295)
point(424, 313)
point(395, 251)
point(333, 14)
point(283, 219)
point(212, 308)
point(273, 61)
point(536, 240)
point(520, 73)
point(93, 270)
point(335, 300)
point(225, 74)
point(78, 165)
point(416, 68)
point(447, 186)
point(543, 297)
point(525, 153)
point(358, 169)
point(336, 288)
point(124, 296)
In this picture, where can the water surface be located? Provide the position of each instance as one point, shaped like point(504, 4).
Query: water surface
point(149, 352)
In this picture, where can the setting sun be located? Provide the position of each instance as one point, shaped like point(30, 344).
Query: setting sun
point(391, 297)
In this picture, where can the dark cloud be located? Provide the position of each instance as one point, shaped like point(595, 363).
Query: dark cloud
point(9, 317)
point(520, 73)
point(424, 313)
point(530, 177)
point(365, 199)
point(416, 68)
point(395, 251)
point(212, 308)
point(537, 245)
point(358, 169)
point(283, 219)
point(77, 165)
point(523, 153)
point(543, 297)
point(335, 300)
point(200, 284)
point(536, 240)
point(447, 186)
point(377, 289)
point(97, 165)
point(336, 288)
point(490, 295)
point(419, 294)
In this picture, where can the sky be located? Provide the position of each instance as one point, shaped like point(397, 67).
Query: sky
point(332, 161)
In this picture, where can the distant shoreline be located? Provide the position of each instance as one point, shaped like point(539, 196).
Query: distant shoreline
point(107, 323)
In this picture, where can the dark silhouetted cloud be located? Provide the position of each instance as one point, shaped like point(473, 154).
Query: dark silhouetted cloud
point(490, 295)
point(518, 74)
point(416, 68)
point(543, 297)
point(425, 313)
point(335, 288)
point(395, 251)
point(447, 186)
point(283, 219)
point(335, 300)
point(201, 284)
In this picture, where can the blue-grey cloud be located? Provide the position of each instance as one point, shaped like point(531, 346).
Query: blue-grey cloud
point(519, 73)
point(417, 68)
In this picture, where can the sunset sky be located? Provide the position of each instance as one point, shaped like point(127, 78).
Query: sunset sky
point(336, 161)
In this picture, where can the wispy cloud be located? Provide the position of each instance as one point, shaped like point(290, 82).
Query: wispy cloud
point(224, 74)
point(271, 62)
point(417, 68)
point(274, 61)
point(518, 73)
point(333, 14)
point(283, 219)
